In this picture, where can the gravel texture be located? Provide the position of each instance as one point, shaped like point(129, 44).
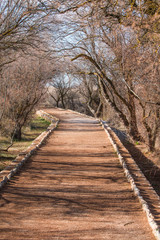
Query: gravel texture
point(72, 188)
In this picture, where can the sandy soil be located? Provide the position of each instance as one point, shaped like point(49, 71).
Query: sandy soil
point(73, 188)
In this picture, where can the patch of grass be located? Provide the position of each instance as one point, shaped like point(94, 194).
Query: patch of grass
point(39, 123)
point(29, 133)
point(6, 159)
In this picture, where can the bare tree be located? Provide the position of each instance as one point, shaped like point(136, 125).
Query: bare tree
point(26, 85)
point(118, 76)
point(89, 92)
point(61, 86)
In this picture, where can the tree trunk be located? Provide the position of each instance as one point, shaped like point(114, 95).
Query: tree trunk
point(18, 133)
point(112, 104)
point(133, 128)
point(151, 133)
point(99, 110)
point(90, 108)
point(151, 144)
point(63, 105)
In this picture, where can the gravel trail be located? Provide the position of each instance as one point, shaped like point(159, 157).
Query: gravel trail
point(73, 188)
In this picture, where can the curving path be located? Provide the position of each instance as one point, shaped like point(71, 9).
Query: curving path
point(73, 188)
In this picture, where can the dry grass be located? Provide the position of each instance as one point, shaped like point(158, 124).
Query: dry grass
point(30, 132)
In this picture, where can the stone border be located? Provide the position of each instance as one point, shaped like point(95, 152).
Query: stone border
point(23, 157)
point(154, 226)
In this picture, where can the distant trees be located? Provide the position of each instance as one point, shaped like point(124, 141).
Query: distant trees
point(61, 88)
point(63, 91)
point(89, 93)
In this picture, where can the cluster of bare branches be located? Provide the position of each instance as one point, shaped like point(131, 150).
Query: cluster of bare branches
point(23, 86)
point(24, 56)
point(114, 48)
point(117, 43)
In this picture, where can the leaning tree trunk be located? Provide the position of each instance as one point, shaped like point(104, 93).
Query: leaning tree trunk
point(107, 99)
point(99, 110)
point(90, 108)
point(133, 128)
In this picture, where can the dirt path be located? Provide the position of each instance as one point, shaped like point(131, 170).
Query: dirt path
point(73, 188)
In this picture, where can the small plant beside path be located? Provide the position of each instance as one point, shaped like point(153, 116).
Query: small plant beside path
point(36, 126)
